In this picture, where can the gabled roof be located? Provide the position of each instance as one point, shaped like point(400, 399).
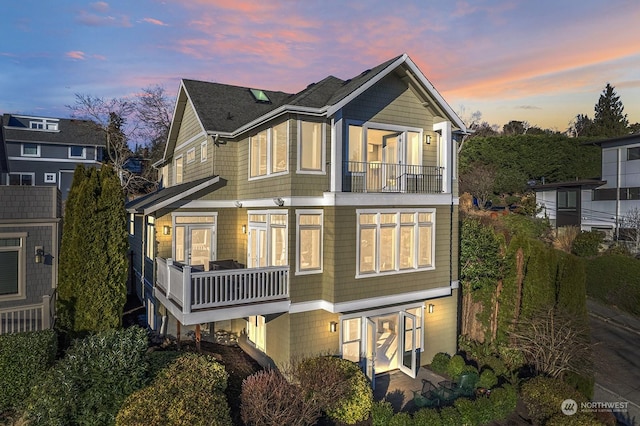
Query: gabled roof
point(15, 128)
point(174, 196)
point(229, 111)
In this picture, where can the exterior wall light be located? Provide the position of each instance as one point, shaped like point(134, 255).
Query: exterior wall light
point(166, 230)
point(430, 308)
point(39, 254)
point(333, 326)
point(278, 201)
point(244, 229)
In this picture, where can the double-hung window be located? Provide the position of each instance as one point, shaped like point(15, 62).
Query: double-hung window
point(151, 237)
point(191, 155)
point(268, 152)
point(267, 242)
point(395, 241)
point(311, 151)
point(309, 241)
point(22, 179)
point(13, 266)
point(30, 150)
point(76, 151)
point(203, 151)
point(179, 165)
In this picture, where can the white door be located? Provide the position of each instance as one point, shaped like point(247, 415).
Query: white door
point(392, 156)
point(257, 247)
point(408, 344)
point(370, 350)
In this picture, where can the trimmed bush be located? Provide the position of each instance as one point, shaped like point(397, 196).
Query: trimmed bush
point(587, 243)
point(356, 405)
point(427, 417)
point(456, 366)
point(543, 397)
point(90, 383)
point(381, 413)
point(189, 391)
point(494, 363)
point(503, 400)
point(581, 383)
point(24, 358)
point(401, 419)
point(440, 363)
point(578, 419)
point(450, 416)
point(615, 280)
point(488, 379)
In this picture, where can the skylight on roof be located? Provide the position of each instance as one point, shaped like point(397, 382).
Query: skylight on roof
point(259, 95)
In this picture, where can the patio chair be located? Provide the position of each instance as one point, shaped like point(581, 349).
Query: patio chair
point(466, 385)
point(427, 397)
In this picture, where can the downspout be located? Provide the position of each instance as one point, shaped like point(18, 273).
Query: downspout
point(618, 160)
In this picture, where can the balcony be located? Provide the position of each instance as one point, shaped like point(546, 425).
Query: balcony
point(385, 177)
point(194, 296)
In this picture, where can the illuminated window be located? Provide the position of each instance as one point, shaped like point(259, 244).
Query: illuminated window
point(310, 147)
point(178, 169)
point(203, 152)
point(309, 241)
point(268, 153)
point(191, 155)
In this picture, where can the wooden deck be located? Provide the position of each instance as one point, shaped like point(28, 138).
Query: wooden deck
point(397, 388)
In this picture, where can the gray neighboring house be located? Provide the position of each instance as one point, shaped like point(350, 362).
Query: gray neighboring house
point(30, 224)
point(45, 151)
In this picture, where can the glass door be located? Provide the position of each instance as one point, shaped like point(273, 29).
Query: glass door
point(257, 247)
point(199, 247)
point(392, 158)
point(408, 343)
point(370, 351)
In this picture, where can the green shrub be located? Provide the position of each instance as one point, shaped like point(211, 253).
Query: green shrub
point(488, 379)
point(503, 400)
point(356, 405)
point(578, 419)
point(543, 397)
point(581, 383)
point(189, 391)
point(24, 358)
point(587, 243)
point(615, 280)
point(450, 416)
point(401, 419)
point(467, 410)
point(440, 363)
point(381, 413)
point(90, 383)
point(456, 366)
point(159, 360)
point(484, 411)
point(427, 417)
point(494, 363)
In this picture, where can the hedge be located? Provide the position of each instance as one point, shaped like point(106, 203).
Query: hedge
point(615, 280)
point(90, 383)
point(24, 358)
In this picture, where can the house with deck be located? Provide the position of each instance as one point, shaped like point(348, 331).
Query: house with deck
point(44, 151)
point(311, 222)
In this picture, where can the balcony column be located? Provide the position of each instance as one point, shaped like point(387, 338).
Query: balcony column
point(167, 276)
point(186, 289)
point(445, 153)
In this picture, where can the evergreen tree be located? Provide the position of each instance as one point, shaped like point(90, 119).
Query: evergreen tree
point(609, 120)
point(93, 257)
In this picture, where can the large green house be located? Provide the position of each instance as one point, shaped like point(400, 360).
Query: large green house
point(324, 221)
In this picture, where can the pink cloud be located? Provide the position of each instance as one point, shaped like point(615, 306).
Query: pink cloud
point(100, 6)
point(75, 54)
point(155, 22)
point(95, 20)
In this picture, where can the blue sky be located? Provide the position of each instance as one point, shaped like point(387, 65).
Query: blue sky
point(540, 61)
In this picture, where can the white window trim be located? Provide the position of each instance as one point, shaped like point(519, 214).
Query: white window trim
point(214, 231)
point(323, 150)
point(269, 172)
point(268, 228)
point(391, 127)
point(78, 157)
point(175, 170)
point(132, 224)
point(22, 266)
point(33, 178)
point(300, 271)
point(203, 152)
point(50, 178)
point(22, 153)
point(377, 272)
point(191, 152)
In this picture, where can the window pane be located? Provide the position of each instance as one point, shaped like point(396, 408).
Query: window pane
point(351, 329)
point(388, 218)
point(179, 232)
point(310, 248)
point(30, 149)
point(355, 149)
point(195, 219)
point(9, 275)
point(351, 351)
point(260, 218)
point(310, 146)
point(76, 151)
point(424, 249)
point(278, 247)
point(388, 249)
point(633, 153)
point(367, 250)
point(26, 180)
point(407, 244)
point(9, 242)
point(424, 217)
point(278, 219)
point(259, 154)
point(310, 219)
point(279, 148)
point(367, 219)
point(413, 149)
point(179, 170)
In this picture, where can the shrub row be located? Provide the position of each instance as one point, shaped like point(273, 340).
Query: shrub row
point(615, 280)
point(90, 383)
point(24, 358)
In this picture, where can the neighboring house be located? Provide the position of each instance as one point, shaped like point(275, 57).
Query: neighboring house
point(29, 242)
point(324, 221)
point(45, 151)
point(599, 204)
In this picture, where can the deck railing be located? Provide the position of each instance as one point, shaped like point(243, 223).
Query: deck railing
point(27, 318)
point(385, 177)
point(196, 290)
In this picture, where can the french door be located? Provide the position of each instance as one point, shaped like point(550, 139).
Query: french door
point(257, 246)
point(408, 343)
point(194, 240)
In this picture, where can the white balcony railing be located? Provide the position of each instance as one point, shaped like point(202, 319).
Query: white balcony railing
point(384, 177)
point(193, 290)
point(27, 318)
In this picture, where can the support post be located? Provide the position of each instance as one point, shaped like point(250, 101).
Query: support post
point(186, 289)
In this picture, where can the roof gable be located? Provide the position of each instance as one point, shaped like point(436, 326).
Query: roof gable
point(16, 128)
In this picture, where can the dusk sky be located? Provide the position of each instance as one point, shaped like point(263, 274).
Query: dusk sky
point(541, 61)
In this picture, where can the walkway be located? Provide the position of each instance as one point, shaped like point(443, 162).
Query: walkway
point(397, 388)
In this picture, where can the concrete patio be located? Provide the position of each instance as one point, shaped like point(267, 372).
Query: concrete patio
point(397, 388)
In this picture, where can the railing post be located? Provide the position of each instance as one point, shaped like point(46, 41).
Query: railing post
point(186, 289)
point(46, 312)
point(167, 275)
